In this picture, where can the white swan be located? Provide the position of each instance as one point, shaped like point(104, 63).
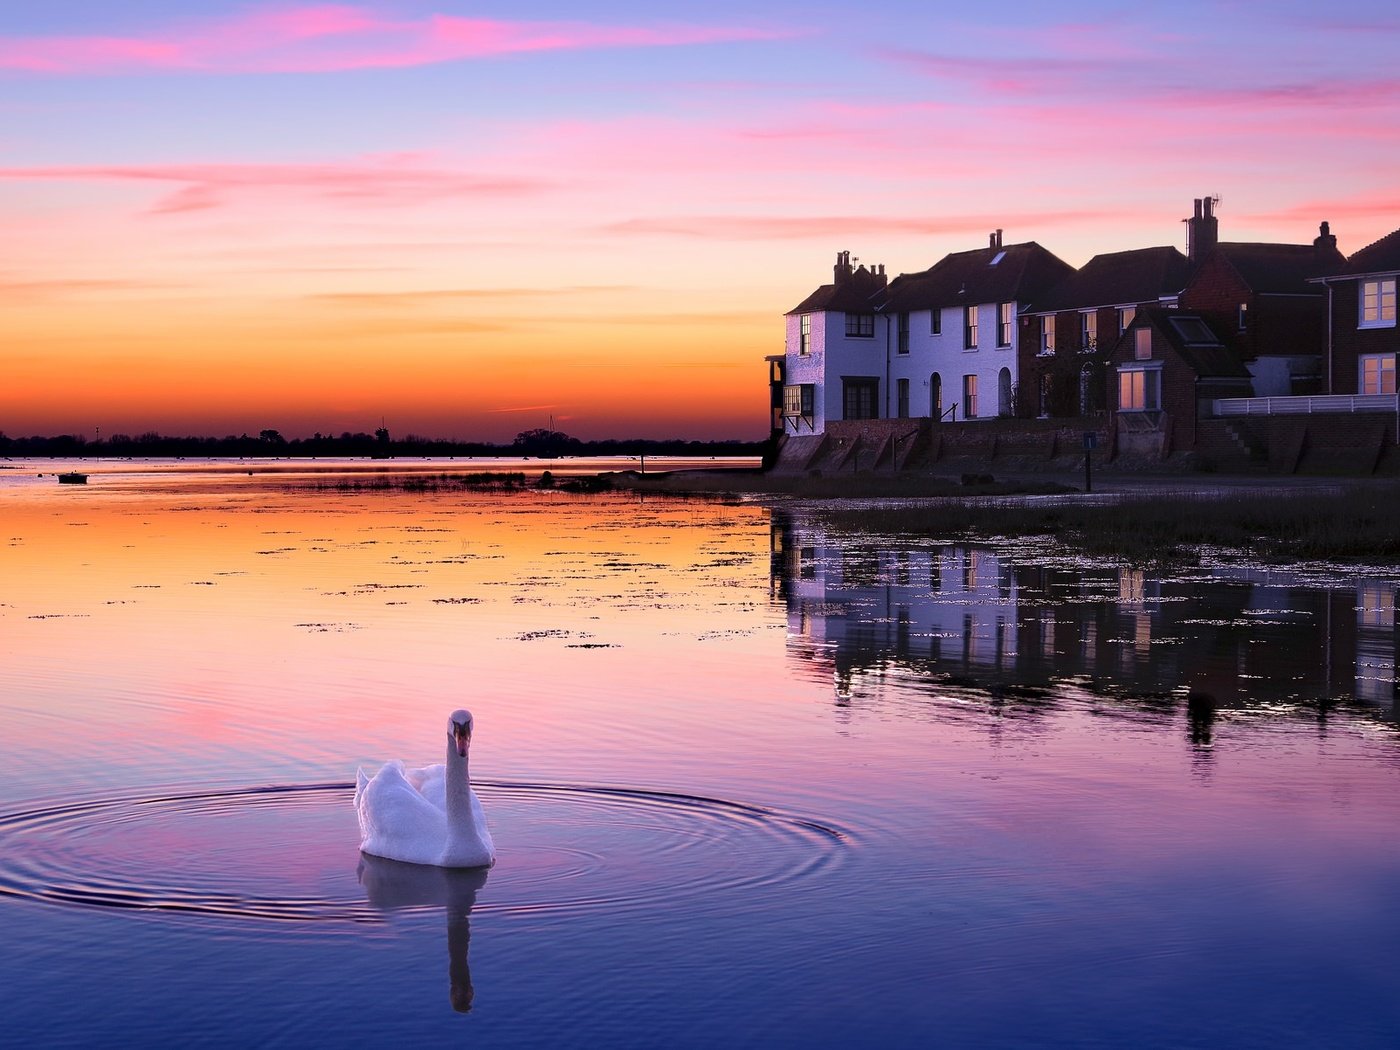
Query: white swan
point(429, 815)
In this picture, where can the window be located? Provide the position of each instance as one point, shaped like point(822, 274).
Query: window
point(1142, 344)
point(1139, 390)
point(935, 321)
point(1378, 303)
point(1006, 318)
point(903, 344)
point(1243, 317)
point(1088, 330)
point(799, 400)
point(901, 387)
point(970, 327)
point(1378, 374)
point(1125, 317)
point(860, 397)
point(804, 339)
point(970, 396)
point(860, 326)
point(1047, 335)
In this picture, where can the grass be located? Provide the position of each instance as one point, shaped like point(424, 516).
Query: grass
point(1355, 522)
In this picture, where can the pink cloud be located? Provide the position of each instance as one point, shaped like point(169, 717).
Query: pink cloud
point(327, 38)
point(200, 187)
point(745, 227)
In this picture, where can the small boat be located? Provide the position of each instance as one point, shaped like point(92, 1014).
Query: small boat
point(72, 478)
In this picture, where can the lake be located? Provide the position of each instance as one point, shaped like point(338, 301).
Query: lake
point(752, 781)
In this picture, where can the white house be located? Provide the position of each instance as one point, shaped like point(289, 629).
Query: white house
point(943, 343)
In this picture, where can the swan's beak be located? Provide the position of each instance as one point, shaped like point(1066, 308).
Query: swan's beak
point(462, 733)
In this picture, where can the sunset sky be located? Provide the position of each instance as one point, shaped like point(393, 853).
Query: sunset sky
point(465, 218)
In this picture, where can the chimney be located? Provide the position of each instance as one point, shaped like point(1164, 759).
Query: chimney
point(1202, 230)
point(880, 278)
point(1326, 240)
point(842, 269)
point(994, 241)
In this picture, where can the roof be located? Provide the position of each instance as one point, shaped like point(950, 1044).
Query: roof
point(1381, 256)
point(1142, 275)
point(1281, 268)
point(1195, 338)
point(852, 295)
point(1014, 272)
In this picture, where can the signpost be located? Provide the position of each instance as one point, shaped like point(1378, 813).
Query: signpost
point(1091, 442)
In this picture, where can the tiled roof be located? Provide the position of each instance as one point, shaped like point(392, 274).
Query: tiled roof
point(1012, 273)
point(853, 295)
point(1383, 256)
point(1195, 337)
point(1281, 267)
point(1142, 275)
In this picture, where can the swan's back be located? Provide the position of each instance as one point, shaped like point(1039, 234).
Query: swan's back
point(398, 819)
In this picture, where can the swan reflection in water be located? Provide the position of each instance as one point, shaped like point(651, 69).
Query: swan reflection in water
point(391, 885)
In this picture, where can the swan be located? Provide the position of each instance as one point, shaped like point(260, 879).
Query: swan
point(429, 815)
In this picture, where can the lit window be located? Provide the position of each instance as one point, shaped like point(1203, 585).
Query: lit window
point(1047, 335)
point(1378, 374)
point(1088, 330)
point(1139, 390)
point(970, 327)
point(903, 345)
point(969, 397)
point(1006, 318)
point(1243, 316)
point(1142, 344)
point(1378, 303)
point(935, 321)
point(861, 326)
point(1125, 317)
point(798, 400)
point(804, 344)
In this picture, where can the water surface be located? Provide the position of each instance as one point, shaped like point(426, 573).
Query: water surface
point(752, 781)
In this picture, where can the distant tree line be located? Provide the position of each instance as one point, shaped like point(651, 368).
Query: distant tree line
point(271, 443)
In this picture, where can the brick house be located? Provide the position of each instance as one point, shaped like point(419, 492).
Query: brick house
point(1167, 367)
point(1069, 333)
point(1265, 297)
point(1363, 340)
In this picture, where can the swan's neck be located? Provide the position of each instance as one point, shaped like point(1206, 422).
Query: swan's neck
point(459, 790)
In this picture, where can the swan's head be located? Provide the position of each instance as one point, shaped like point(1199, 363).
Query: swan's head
point(459, 728)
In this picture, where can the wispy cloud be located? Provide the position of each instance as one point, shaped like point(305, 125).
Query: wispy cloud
point(332, 37)
point(440, 296)
point(199, 187)
point(748, 227)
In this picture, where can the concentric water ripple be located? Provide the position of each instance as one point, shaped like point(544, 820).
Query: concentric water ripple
point(287, 853)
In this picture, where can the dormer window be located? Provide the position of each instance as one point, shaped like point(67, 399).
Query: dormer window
point(1378, 303)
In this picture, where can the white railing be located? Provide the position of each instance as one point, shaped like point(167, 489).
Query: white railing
point(1279, 406)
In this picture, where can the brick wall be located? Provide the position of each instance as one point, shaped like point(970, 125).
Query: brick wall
point(1349, 342)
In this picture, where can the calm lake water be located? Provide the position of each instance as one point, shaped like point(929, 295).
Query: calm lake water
point(752, 782)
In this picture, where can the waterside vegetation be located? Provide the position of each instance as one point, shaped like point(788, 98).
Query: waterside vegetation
point(1352, 522)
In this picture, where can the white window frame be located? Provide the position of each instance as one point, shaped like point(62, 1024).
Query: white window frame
point(1376, 303)
point(969, 328)
point(1047, 336)
point(970, 395)
point(935, 321)
point(1144, 386)
point(1125, 317)
point(804, 335)
point(1006, 324)
point(1376, 374)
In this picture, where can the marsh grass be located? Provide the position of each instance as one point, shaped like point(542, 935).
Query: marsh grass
point(1350, 523)
point(425, 483)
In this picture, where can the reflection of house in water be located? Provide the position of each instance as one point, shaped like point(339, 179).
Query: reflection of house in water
point(969, 616)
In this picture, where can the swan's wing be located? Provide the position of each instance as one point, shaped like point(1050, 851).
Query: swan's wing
point(431, 783)
point(361, 779)
point(396, 821)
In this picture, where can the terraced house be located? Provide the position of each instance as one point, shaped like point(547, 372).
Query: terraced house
point(1156, 351)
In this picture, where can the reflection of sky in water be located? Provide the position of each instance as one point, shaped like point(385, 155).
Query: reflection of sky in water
point(1077, 804)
